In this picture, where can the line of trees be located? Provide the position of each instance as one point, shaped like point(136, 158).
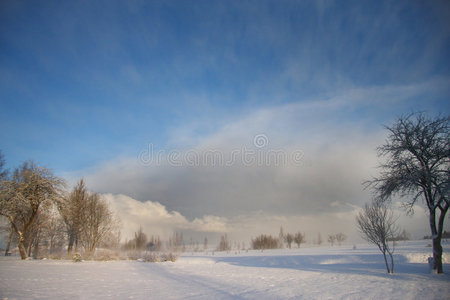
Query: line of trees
point(43, 216)
point(265, 241)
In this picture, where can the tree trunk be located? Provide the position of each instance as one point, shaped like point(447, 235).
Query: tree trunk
point(29, 247)
point(386, 262)
point(437, 255)
point(8, 245)
point(70, 245)
point(392, 262)
point(36, 248)
point(436, 235)
point(21, 246)
point(76, 243)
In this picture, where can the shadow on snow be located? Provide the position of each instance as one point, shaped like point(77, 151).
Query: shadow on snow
point(358, 264)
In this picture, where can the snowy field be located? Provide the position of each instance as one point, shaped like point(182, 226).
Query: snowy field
point(308, 273)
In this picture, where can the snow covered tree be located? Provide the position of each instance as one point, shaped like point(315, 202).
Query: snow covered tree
point(98, 223)
point(72, 210)
point(377, 225)
point(30, 190)
point(417, 166)
point(11, 236)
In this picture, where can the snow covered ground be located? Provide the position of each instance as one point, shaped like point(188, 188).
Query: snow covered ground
point(308, 273)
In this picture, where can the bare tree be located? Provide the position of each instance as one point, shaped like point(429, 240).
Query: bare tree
point(299, 239)
point(73, 211)
point(154, 243)
point(289, 238)
point(224, 244)
point(99, 221)
point(417, 161)
point(340, 237)
point(7, 229)
point(331, 239)
point(377, 225)
point(30, 189)
point(35, 234)
point(140, 239)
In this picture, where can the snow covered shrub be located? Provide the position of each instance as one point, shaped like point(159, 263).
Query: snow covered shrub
point(169, 257)
point(77, 257)
point(151, 257)
point(156, 257)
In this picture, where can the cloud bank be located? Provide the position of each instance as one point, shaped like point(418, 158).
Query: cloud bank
point(299, 165)
point(156, 220)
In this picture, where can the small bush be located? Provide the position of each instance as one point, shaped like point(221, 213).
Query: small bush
point(170, 257)
point(265, 242)
point(77, 257)
point(151, 257)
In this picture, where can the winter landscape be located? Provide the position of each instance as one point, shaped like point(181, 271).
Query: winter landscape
point(224, 149)
point(339, 272)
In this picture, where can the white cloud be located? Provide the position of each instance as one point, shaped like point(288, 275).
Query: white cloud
point(156, 219)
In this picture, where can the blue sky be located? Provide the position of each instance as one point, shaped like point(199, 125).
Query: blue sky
point(85, 82)
point(86, 86)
